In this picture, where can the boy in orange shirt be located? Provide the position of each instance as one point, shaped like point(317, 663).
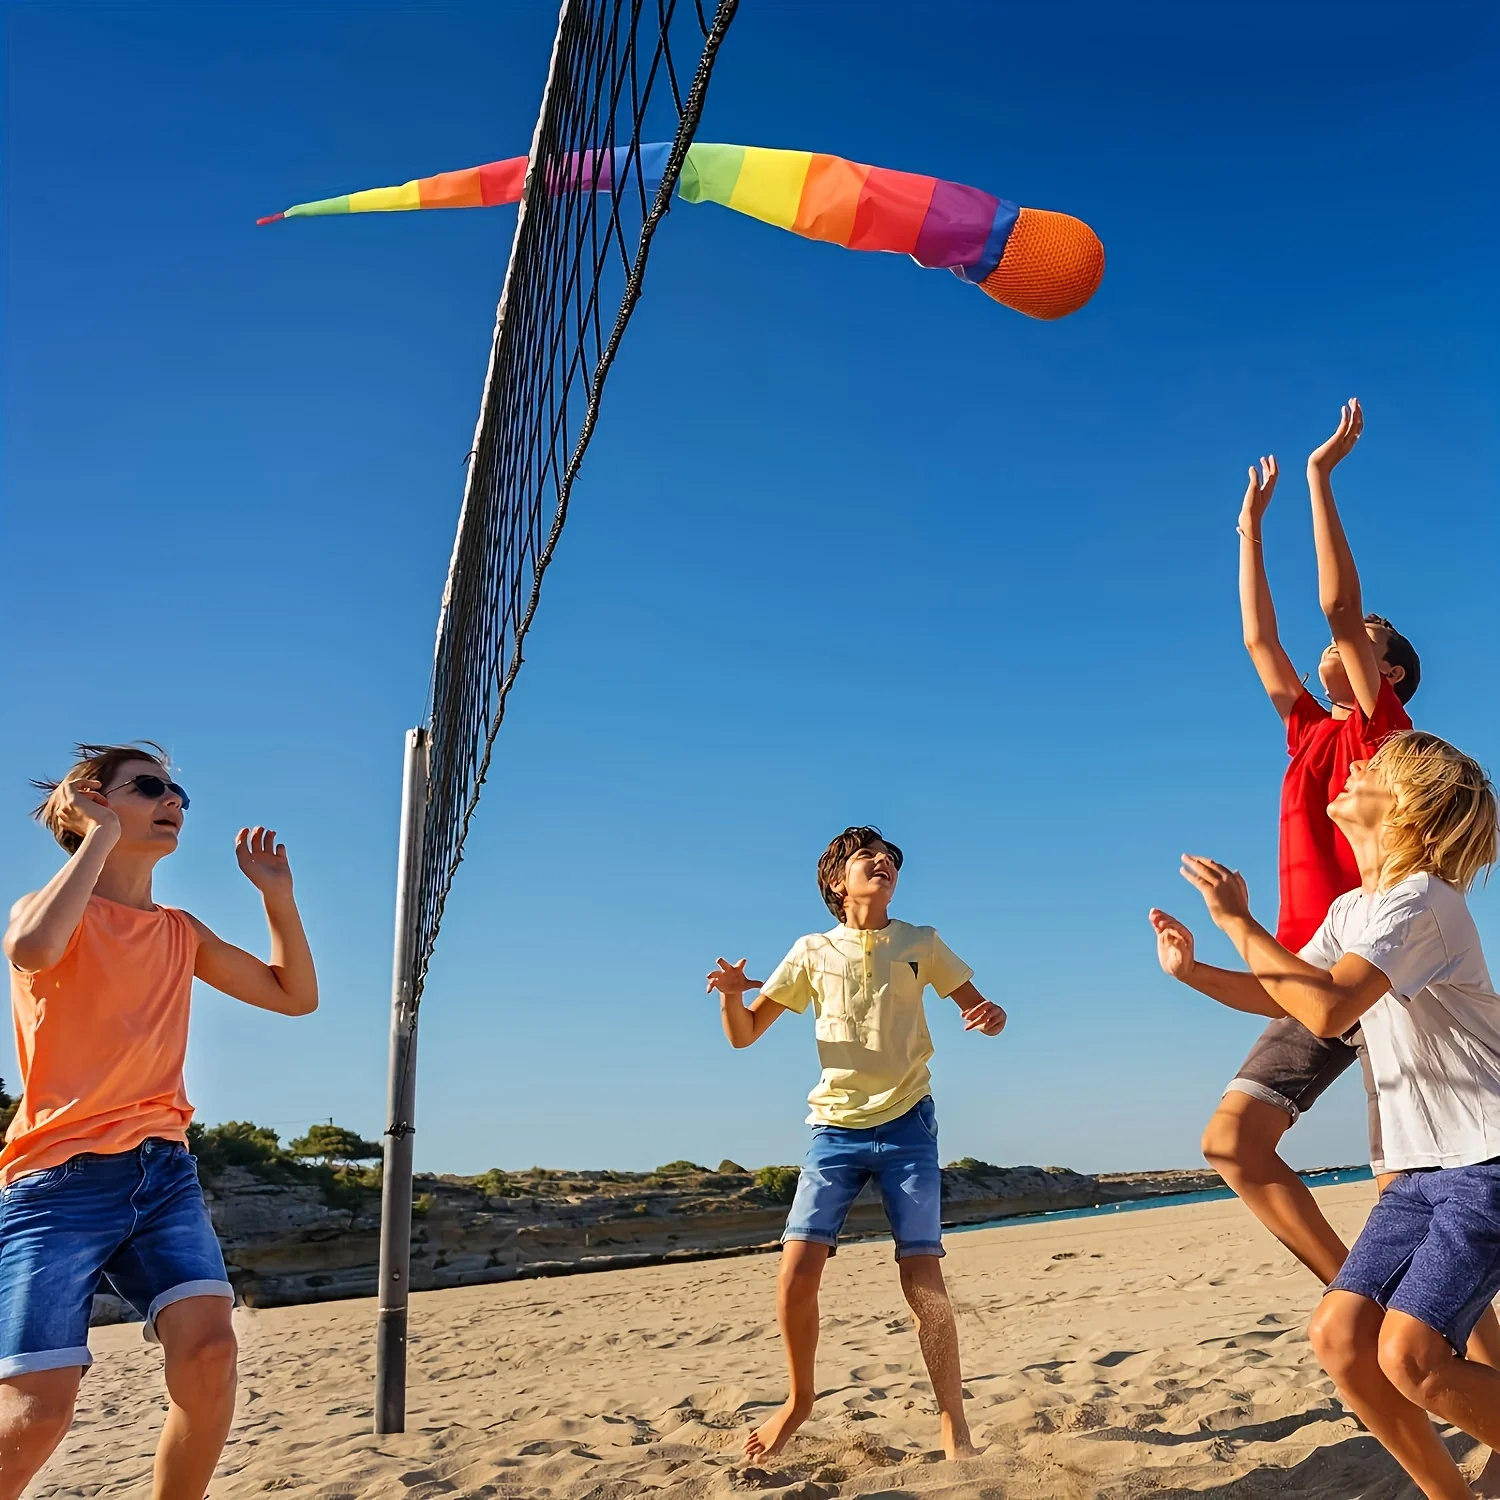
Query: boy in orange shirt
point(95, 1176)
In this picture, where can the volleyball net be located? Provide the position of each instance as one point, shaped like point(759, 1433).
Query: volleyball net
point(622, 74)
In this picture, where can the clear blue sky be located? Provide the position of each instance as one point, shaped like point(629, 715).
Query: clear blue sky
point(852, 543)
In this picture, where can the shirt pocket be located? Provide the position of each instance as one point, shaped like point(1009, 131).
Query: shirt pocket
point(834, 989)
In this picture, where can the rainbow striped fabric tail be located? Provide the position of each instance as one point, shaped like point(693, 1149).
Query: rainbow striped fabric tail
point(1039, 262)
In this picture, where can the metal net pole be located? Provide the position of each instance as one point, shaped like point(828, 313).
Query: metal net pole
point(620, 77)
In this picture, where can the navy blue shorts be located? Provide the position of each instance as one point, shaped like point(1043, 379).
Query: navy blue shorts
point(135, 1218)
point(1431, 1249)
point(901, 1156)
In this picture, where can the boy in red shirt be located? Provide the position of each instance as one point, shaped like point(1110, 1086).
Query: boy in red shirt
point(1369, 671)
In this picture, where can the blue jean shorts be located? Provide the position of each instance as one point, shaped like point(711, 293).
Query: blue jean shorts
point(901, 1156)
point(1431, 1249)
point(134, 1219)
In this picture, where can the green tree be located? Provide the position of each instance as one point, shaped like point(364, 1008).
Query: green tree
point(8, 1108)
point(335, 1146)
point(235, 1143)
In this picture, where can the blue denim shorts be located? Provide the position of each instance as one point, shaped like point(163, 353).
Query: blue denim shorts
point(1431, 1249)
point(901, 1156)
point(135, 1219)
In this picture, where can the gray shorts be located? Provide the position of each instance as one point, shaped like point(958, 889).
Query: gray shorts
point(1289, 1068)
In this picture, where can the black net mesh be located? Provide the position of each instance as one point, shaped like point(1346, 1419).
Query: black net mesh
point(624, 76)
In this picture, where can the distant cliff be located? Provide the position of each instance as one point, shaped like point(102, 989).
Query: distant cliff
point(291, 1238)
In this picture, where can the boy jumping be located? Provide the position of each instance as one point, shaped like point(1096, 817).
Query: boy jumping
point(1368, 672)
point(95, 1176)
point(1400, 955)
point(872, 1111)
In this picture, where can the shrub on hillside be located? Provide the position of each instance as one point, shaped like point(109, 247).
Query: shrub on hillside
point(779, 1183)
point(678, 1169)
point(498, 1184)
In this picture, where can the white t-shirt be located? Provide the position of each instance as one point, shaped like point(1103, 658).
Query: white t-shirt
point(1434, 1039)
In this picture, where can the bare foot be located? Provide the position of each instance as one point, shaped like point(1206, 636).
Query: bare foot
point(1488, 1482)
point(956, 1440)
point(773, 1434)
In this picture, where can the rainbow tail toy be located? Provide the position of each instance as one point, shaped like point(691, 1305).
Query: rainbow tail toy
point(1040, 263)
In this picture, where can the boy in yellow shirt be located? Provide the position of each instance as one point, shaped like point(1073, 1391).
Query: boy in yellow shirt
point(872, 1111)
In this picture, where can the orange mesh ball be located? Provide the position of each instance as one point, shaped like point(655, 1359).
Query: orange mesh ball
point(1053, 264)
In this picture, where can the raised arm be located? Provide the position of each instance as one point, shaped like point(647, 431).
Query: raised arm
point(1257, 613)
point(43, 923)
point(1338, 578)
point(288, 984)
point(1327, 1001)
point(742, 1024)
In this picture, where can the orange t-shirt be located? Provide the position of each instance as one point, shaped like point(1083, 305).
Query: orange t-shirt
point(102, 1037)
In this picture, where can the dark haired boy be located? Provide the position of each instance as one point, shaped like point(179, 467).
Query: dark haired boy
point(95, 1176)
point(872, 1111)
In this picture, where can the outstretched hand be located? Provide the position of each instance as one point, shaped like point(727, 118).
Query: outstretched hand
point(1258, 492)
point(1174, 945)
point(731, 979)
point(1341, 444)
point(1223, 890)
point(263, 861)
point(986, 1018)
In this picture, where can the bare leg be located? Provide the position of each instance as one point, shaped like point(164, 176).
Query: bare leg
point(1346, 1335)
point(197, 1337)
point(802, 1265)
point(1484, 1349)
point(35, 1414)
point(937, 1335)
point(1421, 1364)
point(1240, 1143)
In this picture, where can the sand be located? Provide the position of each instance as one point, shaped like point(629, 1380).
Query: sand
point(1153, 1353)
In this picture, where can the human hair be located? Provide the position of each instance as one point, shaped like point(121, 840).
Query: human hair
point(1443, 822)
point(838, 854)
point(1399, 652)
point(91, 763)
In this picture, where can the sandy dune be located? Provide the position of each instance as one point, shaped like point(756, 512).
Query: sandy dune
point(1152, 1353)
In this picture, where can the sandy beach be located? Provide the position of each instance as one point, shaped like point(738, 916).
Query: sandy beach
point(1159, 1352)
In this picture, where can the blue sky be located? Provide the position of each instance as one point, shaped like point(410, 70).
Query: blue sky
point(852, 543)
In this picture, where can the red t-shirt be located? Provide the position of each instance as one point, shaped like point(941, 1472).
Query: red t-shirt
point(1317, 863)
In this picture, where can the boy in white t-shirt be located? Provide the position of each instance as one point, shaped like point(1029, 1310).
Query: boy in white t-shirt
point(1400, 956)
point(872, 1111)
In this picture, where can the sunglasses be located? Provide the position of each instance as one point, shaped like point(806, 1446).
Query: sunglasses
point(154, 787)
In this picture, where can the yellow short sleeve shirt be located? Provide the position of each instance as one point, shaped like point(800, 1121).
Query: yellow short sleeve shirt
point(865, 989)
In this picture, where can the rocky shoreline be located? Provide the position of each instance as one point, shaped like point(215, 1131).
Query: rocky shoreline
point(294, 1239)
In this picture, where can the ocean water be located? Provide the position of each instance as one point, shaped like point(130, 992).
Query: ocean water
point(1166, 1200)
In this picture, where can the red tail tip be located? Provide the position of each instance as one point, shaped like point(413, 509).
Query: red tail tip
point(271, 219)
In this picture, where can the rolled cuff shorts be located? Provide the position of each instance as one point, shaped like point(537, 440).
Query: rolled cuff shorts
point(902, 1158)
point(135, 1220)
point(1289, 1068)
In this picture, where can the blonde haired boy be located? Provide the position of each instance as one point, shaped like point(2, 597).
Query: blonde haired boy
point(1401, 956)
